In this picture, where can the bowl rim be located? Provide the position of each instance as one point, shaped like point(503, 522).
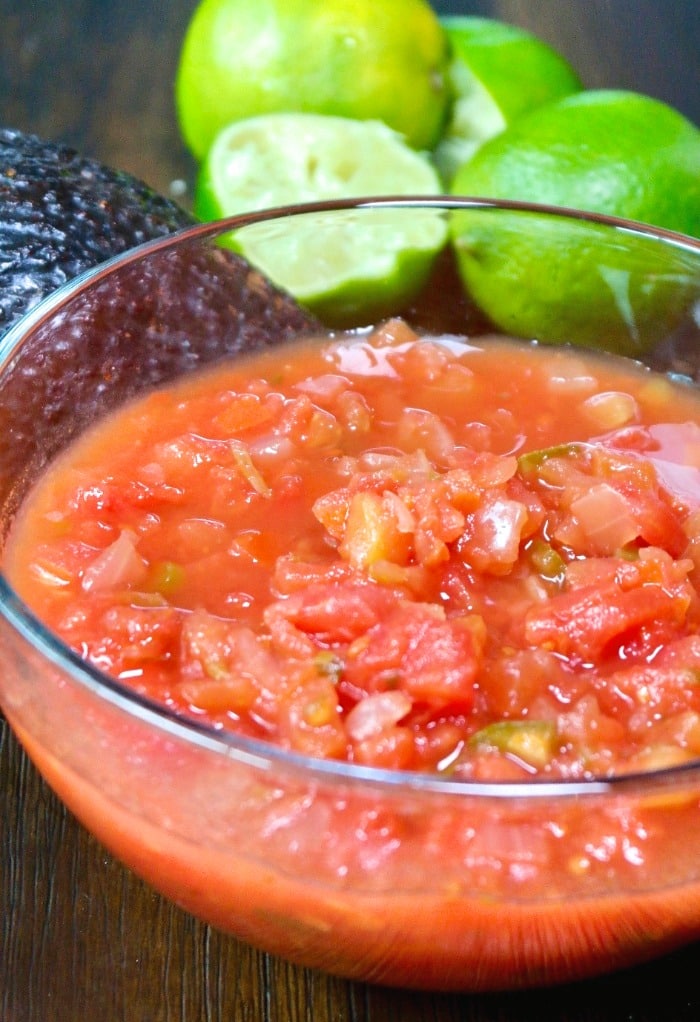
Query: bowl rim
point(257, 753)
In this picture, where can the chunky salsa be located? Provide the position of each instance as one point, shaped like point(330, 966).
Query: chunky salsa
point(477, 559)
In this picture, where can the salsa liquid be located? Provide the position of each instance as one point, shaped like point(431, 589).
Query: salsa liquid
point(480, 560)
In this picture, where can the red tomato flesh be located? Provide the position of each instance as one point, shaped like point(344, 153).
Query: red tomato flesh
point(437, 528)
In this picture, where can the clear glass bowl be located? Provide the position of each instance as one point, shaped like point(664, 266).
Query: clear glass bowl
point(388, 877)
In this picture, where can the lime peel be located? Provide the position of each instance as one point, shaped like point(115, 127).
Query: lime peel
point(562, 281)
point(365, 59)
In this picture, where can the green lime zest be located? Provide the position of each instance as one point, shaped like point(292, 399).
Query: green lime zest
point(546, 561)
point(532, 741)
point(532, 462)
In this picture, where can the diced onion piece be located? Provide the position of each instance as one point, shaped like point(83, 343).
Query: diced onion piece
point(424, 431)
point(247, 411)
point(49, 574)
point(354, 412)
point(396, 509)
point(323, 430)
point(372, 533)
point(611, 409)
point(119, 564)
point(376, 713)
point(606, 519)
point(245, 465)
point(496, 530)
point(393, 332)
point(572, 376)
point(325, 388)
point(227, 693)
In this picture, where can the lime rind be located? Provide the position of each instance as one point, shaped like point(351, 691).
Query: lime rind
point(640, 160)
point(476, 117)
point(607, 151)
point(366, 59)
point(558, 281)
point(519, 70)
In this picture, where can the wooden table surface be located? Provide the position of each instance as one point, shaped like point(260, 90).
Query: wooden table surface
point(80, 937)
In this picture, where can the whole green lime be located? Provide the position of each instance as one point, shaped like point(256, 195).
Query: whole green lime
point(611, 152)
point(497, 72)
point(366, 59)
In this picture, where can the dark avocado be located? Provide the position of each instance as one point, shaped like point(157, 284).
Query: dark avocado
point(62, 213)
point(183, 308)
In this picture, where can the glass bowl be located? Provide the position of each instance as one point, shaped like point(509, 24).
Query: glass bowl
point(390, 877)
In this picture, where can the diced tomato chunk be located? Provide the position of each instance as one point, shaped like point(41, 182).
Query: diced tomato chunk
point(332, 613)
point(584, 622)
point(402, 552)
point(391, 749)
point(416, 649)
point(309, 720)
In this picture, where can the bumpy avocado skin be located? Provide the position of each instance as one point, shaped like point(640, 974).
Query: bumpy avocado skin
point(61, 213)
point(183, 308)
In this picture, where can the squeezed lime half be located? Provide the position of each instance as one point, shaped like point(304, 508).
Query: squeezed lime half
point(497, 72)
point(359, 266)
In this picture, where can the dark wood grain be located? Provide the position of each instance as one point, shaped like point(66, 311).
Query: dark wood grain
point(645, 45)
point(80, 937)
